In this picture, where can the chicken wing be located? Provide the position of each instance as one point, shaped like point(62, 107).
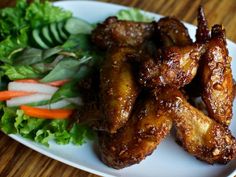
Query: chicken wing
point(203, 33)
point(198, 134)
point(234, 89)
point(145, 129)
point(202, 36)
point(171, 32)
point(118, 89)
point(217, 79)
point(113, 32)
point(176, 67)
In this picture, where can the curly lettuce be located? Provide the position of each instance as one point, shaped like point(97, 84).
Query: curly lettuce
point(42, 130)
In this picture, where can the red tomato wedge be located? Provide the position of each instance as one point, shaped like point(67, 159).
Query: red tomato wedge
point(46, 113)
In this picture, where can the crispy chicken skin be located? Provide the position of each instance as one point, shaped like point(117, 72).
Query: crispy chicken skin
point(145, 129)
point(203, 32)
point(234, 89)
point(118, 89)
point(198, 134)
point(217, 79)
point(202, 36)
point(176, 67)
point(113, 33)
point(170, 31)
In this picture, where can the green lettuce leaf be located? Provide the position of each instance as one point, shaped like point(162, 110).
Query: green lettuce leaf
point(12, 19)
point(43, 136)
point(30, 56)
point(39, 14)
point(80, 132)
point(27, 126)
point(67, 68)
point(17, 22)
point(77, 42)
point(12, 43)
point(7, 119)
point(68, 90)
point(20, 72)
point(133, 15)
point(43, 130)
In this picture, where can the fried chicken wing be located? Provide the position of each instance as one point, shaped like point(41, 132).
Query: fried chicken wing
point(198, 134)
point(145, 129)
point(171, 32)
point(217, 79)
point(234, 89)
point(202, 36)
point(203, 33)
point(176, 67)
point(118, 89)
point(113, 32)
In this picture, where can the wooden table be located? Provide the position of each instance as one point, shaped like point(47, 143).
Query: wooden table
point(18, 160)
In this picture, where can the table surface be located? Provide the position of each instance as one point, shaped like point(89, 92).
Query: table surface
point(18, 160)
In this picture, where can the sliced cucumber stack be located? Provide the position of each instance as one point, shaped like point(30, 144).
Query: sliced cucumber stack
point(62, 32)
point(38, 39)
point(57, 33)
point(46, 35)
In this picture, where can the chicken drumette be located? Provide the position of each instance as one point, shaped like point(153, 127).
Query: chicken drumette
point(118, 89)
point(216, 78)
point(147, 126)
point(198, 134)
point(175, 67)
point(170, 31)
point(118, 33)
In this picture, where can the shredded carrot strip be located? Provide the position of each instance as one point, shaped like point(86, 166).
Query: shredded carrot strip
point(53, 83)
point(46, 113)
point(27, 81)
point(8, 94)
point(57, 83)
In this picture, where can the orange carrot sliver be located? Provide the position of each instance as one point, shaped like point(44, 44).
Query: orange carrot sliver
point(27, 81)
point(6, 95)
point(57, 83)
point(46, 113)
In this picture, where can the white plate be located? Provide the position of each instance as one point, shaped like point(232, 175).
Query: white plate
point(168, 160)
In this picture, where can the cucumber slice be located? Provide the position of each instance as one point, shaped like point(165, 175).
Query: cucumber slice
point(38, 39)
point(53, 29)
point(46, 35)
point(75, 26)
point(62, 33)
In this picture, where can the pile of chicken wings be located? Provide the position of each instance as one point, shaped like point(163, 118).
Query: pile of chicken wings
point(147, 85)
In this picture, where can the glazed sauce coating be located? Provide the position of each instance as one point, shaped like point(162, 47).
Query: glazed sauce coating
point(148, 125)
point(169, 31)
point(118, 89)
point(176, 67)
point(198, 134)
point(217, 79)
point(117, 33)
